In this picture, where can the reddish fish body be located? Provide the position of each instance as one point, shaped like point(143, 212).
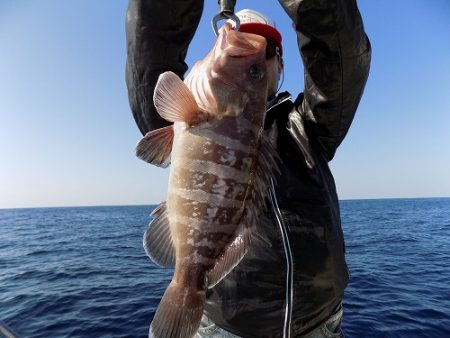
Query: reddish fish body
point(219, 173)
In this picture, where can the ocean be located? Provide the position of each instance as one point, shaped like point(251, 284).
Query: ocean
point(82, 271)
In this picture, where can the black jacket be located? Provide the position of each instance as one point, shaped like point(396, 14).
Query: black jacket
point(294, 275)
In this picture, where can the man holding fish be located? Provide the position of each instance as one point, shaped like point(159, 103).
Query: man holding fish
point(251, 222)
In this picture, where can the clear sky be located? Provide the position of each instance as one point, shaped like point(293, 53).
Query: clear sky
point(67, 135)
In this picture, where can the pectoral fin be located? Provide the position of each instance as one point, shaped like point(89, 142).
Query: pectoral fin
point(174, 101)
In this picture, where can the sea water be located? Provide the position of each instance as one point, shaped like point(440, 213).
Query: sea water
point(82, 272)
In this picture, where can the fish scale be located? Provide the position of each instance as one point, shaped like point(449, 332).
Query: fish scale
point(220, 170)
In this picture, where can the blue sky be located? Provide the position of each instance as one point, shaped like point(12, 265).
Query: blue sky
point(67, 135)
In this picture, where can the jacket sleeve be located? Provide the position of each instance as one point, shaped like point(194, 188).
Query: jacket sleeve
point(158, 34)
point(336, 55)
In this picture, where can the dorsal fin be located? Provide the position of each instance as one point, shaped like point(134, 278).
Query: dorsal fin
point(173, 99)
point(267, 164)
point(232, 255)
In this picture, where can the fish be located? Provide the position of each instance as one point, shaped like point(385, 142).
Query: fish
point(221, 163)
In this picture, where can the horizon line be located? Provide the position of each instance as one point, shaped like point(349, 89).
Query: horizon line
point(151, 204)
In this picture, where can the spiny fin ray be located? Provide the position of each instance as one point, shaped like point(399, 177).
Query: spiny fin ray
point(265, 168)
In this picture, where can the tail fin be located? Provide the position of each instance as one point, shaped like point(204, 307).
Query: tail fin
point(179, 313)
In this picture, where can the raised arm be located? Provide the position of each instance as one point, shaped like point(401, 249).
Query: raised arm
point(336, 55)
point(158, 33)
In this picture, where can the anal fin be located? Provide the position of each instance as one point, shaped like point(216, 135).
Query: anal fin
point(157, 240)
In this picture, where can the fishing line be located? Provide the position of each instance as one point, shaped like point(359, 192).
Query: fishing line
point(277, 52)
point(281, 82)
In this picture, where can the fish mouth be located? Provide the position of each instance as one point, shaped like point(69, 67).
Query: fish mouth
point(239, 44)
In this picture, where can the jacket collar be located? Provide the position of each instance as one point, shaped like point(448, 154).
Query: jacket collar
point(281, 103)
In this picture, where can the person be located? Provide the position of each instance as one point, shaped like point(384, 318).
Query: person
point(291, 282)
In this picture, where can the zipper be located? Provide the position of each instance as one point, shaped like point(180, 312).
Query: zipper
point(276, 104)
point(289, 263)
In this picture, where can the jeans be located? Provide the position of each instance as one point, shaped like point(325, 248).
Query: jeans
point(330, 329)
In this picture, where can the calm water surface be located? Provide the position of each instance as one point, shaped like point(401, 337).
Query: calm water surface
point(82, 272)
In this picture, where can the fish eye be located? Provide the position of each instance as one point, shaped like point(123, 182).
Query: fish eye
point(256, 72)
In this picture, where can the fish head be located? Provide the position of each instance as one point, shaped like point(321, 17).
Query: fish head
point(233, 74)
point(239, 58)
point(239, 71)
